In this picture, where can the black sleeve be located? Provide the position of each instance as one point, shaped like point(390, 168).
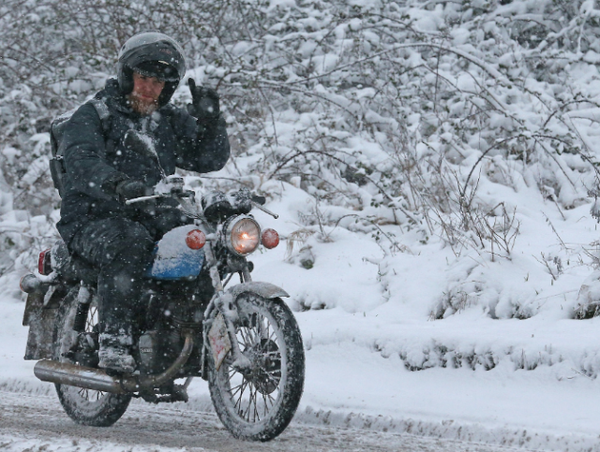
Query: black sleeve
point(84, 151)
point(202, 148)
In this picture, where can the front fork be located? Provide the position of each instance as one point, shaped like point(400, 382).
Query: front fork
point(222, 302)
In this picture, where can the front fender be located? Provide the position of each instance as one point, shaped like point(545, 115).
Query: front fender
point(264, 289)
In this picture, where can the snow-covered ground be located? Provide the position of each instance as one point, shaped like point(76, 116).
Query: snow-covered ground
point(377, 360)
point(403, 331)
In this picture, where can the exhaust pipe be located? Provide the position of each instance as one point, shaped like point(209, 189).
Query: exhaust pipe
point(98, 380)
point(74, 375)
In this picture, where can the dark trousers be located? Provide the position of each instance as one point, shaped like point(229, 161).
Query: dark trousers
point(122, 250)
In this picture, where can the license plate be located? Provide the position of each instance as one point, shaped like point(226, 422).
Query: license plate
point(220, 344)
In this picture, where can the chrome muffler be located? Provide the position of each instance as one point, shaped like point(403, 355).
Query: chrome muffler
point(98, 380)
point(74, 375)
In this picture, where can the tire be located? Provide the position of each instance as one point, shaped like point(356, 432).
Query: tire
point(259, 404)
point(84, 406)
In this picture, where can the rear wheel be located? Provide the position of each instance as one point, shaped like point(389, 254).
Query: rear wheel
point(257, 399)
point(76, 342)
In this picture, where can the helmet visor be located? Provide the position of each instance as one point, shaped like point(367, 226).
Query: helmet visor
point(159, 69)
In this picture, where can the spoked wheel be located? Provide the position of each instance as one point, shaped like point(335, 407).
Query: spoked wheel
point(257, 396)
point(76, 342)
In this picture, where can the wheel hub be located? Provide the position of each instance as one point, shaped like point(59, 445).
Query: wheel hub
point(265, 370)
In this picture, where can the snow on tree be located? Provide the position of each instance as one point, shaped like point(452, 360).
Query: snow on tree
point(402, 120)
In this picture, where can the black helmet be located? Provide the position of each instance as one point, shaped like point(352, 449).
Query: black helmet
point(155, 55)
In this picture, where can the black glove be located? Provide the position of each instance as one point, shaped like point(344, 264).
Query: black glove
point(130, 189)
point(205, 106)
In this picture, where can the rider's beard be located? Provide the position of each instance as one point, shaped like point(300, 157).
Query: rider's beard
point(141, 105)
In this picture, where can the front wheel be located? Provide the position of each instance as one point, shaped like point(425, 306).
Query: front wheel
point(76, 343)
point(258, 400)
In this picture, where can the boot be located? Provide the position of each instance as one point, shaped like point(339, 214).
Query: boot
point(119, 286)
point(114, 353)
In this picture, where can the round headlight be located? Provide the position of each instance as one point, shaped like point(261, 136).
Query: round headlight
point(243, 235)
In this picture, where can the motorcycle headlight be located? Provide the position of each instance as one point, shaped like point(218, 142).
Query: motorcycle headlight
point(242, 235)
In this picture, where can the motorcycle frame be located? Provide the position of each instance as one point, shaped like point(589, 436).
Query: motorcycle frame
point(221, 302)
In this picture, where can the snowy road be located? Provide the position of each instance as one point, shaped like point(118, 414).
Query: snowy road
point(36, 423)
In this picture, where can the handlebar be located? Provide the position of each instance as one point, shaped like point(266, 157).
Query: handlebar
point(176, 192)
point(142, 199)
point(265, 210)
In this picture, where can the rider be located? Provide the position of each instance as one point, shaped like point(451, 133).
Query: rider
point(103, 170)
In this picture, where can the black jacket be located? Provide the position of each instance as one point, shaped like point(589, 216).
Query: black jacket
point(96, 160)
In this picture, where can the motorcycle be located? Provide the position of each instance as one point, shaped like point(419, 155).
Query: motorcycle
point(243, 339)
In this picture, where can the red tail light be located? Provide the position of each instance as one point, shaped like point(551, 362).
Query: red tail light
point(44, 263)
point(270, 238)
point(195, 239)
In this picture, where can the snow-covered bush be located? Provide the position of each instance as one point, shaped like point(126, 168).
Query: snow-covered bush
point(395, 117)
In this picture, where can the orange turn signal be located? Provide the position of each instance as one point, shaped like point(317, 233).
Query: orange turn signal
point(270, 238)
point(195, 239)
